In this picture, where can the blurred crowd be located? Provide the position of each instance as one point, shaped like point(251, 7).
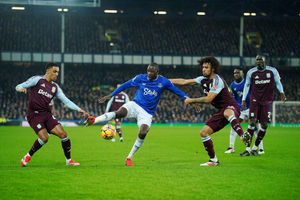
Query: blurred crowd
point(85, 83)
point(147, 35)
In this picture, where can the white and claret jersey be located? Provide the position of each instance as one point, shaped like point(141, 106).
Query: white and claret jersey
point(217, 85)
point(41, 93)
point(148, 92)
point(117, 101)
point(262, 84)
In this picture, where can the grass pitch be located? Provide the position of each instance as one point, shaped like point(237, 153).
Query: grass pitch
point(166, 167)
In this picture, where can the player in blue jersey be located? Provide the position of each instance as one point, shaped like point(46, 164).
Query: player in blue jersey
point(42, 90)
point(150, 86)
point(237, 87)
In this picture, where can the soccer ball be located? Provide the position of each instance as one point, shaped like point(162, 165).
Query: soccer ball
point(108, 132)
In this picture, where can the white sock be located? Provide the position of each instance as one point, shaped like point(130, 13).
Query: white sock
point(232, 138)
point(248, 149)
point(105, 117)
point(215, 159)
point(254, 148)
point(68, 160)
point(261, 145)
point(138, 143)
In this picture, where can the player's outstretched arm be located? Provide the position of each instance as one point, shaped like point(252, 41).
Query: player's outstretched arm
point(181, 81)
point(105, 99)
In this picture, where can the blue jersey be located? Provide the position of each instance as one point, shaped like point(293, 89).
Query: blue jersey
point(148, 92)
point(237, 92)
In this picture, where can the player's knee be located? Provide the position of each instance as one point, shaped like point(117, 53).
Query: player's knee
point(62, 134)
point(44, 138)
point(253, 123)
point(203, 133)
point(142, 135)
point(121, 113)
point(264, 125)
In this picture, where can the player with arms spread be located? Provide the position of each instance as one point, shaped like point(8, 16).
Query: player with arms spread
point(261, 79)
point(150, 86)
point(42, 89)
point(113, 105)
point(217, 93)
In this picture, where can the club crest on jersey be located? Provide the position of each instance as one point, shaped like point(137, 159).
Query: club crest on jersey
point(160, 85)
point(144, 84)
point(53, 89)
point(268, 75)
point(39, 126)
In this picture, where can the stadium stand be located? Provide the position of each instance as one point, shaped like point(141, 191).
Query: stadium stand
point(147, 35)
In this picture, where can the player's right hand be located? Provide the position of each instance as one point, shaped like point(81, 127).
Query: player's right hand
point(23, 90)
point(244, 105)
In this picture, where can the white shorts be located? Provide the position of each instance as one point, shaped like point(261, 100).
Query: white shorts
point(137, 112)
point(244, 113)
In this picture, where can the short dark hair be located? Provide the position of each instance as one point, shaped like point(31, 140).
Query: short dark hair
point(212, 61)
point(239, 68)
point(155, 66)
point(50, 65)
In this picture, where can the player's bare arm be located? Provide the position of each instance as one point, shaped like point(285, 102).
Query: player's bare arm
point(105, 99)
point(208, 99)
point(244, 105)
point(181, 81)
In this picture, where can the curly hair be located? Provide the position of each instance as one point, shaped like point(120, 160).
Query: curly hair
point(215, 64)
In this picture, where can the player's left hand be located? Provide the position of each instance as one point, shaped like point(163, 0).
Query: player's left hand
point(282, 97)
point(83, 113)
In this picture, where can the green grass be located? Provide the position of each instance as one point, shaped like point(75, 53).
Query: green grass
point(166, 167)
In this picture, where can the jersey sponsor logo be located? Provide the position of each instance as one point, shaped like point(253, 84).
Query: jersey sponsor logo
point(46, 94)
point(149, 92)
point(268, 75)
point(119, 100)
point(43, 85)
point(262, 82)
point(53, 89)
